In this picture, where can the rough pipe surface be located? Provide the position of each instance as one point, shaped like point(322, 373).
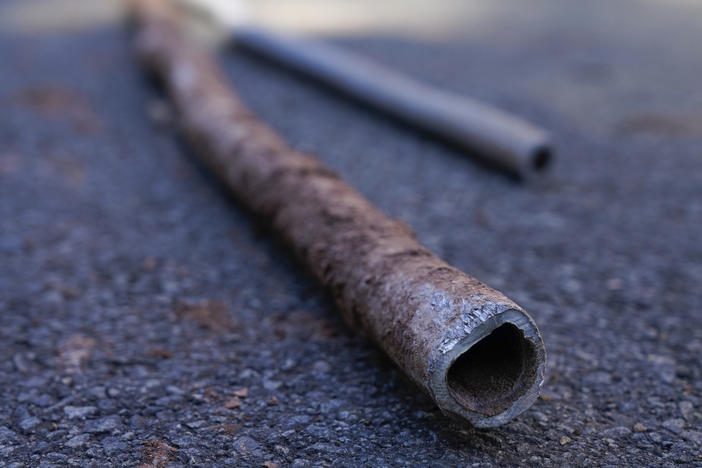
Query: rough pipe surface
point(473, 350)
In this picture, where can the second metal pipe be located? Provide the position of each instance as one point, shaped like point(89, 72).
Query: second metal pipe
point(494, 136)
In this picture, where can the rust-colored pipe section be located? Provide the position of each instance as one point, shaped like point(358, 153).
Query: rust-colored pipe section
point(473, 350)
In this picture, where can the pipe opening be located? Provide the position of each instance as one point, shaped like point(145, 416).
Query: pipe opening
point(493, 373)
point(541, 158)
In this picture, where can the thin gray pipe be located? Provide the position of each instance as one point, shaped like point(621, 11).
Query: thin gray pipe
point(498, 138)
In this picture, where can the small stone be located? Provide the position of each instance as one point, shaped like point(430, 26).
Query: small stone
point(693, 436)
point(77, 441)
point(113, 392)
point(686, 410)
point(282, 449)
point(173, 390)
point(539, 416)
point(22, 364)
point(675, 425)
point(196, 424)
point(641, 439)
point(664, 366)
point(28, 424)
point(616, 432)
point(97, 392)
point(324, 448)
point(271, 384)
point(112, 445)
point(247, 374)
point(55, 457)
point(565, 440)
point(273, 401)
point(36, 381)
point(270, 464)
point(298, 420)
point(137, 421)
point(321, 366)
point(242, 392)
point(23, 397)
point(74, 412)
point(288, 364)
point(7, 435)
point(149, 384)
point(107, 405)
point(232, 403)
point(638, 427)
point(108, 424)
point(76, 351)
point(247, 446)
point(43, 400)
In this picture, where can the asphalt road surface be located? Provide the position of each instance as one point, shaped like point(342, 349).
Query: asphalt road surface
point(145, 318)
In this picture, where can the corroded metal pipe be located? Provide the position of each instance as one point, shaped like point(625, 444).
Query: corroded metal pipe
point(498, 138)
point(473, 350)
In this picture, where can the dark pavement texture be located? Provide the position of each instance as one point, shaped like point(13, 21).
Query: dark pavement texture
point(136, 298)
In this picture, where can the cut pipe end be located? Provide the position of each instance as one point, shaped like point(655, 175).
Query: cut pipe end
point(541, 158)
point(494, 373)
point(535, 161)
